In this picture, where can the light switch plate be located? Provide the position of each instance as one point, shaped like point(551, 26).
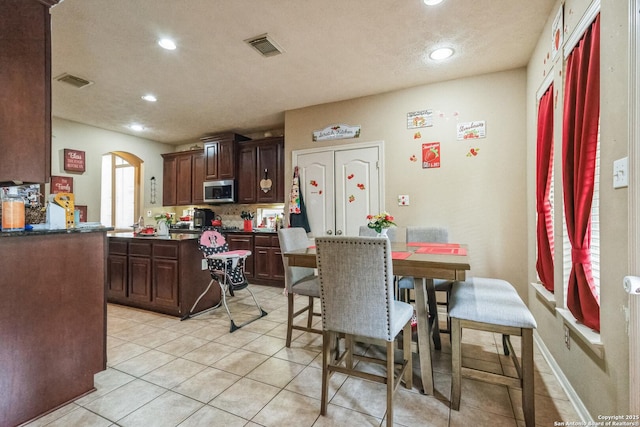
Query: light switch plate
point(403, 200)
point(621, 173)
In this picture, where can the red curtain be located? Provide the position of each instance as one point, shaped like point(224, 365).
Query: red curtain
point(544, 160)
point(579, 144)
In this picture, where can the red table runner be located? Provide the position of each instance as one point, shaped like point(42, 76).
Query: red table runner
point(400, 255)
point(442, 250)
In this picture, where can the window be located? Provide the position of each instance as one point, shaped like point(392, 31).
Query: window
point(580, 135)
point(595, 235)
point(544, 190)
point(120, 190)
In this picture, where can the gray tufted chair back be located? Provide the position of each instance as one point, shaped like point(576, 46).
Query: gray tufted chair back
point(356, 286)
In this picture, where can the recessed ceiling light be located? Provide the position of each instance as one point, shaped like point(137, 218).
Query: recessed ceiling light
point(136, 127)
point(149, 97)
point(432, 2)
point(442, 53)
point(167, 44)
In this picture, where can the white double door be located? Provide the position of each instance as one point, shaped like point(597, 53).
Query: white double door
point(340, 187)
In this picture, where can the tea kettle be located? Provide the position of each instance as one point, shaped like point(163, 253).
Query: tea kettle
point(217, 222)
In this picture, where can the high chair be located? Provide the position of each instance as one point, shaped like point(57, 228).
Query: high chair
point(227, 269)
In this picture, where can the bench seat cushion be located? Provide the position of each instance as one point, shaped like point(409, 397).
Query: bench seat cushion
point(492, 301)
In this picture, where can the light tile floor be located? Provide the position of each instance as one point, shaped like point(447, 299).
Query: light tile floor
point(164, 372)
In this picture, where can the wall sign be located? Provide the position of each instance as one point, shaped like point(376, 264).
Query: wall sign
point(336, 132)
point(82, 209)
point(471, 130)
point(61, 184)
point(431, 155)
point(74, 160)
point(419, 119)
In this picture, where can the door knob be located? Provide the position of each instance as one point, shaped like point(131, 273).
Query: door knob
point(329, 232)
point(339, 233)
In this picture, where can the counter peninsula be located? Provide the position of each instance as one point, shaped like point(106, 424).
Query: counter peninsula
point(52, 319)
point(165, 274)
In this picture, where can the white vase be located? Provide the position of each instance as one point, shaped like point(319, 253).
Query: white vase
point(383, 233)
point(163, 228)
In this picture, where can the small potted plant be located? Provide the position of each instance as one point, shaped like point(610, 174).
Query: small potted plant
point(381, 223)
point(247, 217)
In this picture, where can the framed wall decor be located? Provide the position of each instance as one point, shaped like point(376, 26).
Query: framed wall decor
point(83, 212)
point(74, 160)
point(61, 184)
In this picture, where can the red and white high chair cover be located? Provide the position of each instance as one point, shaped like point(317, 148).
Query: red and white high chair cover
point(227, 269)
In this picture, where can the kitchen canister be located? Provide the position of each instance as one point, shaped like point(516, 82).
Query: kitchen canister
point(12, 211)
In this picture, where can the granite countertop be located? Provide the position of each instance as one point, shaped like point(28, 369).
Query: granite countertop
point(171, 236)
point(46, 231)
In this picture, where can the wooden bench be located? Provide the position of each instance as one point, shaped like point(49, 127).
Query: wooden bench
point(492, 305)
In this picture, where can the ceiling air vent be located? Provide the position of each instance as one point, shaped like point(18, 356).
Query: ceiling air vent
point(74, 81)
point(265, 45)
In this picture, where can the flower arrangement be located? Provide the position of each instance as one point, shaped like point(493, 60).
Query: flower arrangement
point(166, 217)
point(380, 221)
point(246, 215)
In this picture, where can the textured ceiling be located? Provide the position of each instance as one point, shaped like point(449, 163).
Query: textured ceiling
point(334, 50)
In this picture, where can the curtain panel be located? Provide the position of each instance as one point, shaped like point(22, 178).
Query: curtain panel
point(544, 170)
point(579, 145)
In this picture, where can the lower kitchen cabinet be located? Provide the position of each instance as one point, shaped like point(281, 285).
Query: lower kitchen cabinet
point(264, 266)
point(243, 241)
point(158, 274)
point(268, 262)
point(117, 269)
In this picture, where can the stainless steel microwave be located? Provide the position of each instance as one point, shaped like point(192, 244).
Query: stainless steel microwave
point(219, 191)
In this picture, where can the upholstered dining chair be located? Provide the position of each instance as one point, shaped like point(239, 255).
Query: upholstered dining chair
point(419, 234)
point(356, 294)
point(298, 280)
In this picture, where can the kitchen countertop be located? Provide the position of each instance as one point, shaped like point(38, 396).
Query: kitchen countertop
point(46, 232)
point(171, 236)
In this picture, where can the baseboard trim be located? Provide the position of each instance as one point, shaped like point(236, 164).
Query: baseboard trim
point(575, 400)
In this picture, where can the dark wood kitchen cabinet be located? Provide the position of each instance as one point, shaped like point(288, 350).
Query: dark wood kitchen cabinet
point(259, 160)
point(25, 97)
point(197, 178)
point(160, 274)
point(268, 264)
point(220, 155)
point(243, 241)
point(139, 275)
point(264, 266)
point(117, 269)
point(183, 173)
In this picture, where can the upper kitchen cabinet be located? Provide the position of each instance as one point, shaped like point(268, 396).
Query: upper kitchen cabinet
point(183, 175)
point(261, 171)
point(220, 155)
point(25, 97)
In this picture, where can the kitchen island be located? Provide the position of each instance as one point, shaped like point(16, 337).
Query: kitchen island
point(165, 274)
point(52, 319)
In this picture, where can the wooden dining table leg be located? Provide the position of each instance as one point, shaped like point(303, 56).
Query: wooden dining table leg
point(433, 313)
point(424, 342)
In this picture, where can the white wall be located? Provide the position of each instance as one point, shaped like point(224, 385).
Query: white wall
point(481, 199)
point(95, 142)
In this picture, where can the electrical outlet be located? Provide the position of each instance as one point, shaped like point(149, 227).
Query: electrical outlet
point(403, 200)
point(567, 337)
point(149, 214)
point(204, 264)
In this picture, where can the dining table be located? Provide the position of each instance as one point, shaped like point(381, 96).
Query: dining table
point(425, 262)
